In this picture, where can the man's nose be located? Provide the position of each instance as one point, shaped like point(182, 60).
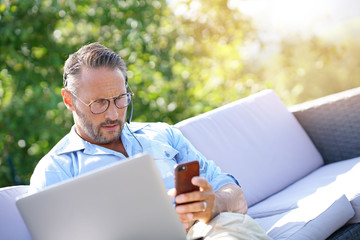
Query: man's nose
point(112, 112)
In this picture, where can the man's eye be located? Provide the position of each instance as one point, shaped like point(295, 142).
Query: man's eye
point(101, 101)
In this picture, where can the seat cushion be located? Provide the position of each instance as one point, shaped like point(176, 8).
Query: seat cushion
point(311, 222)
point(12, 225)
point(322, 186)
point(257, 140)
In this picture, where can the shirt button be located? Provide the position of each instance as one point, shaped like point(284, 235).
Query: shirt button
point(167, 154)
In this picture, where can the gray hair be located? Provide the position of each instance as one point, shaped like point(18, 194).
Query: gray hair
point(93, 55)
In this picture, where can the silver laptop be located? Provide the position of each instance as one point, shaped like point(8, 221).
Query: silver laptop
point(127, 200)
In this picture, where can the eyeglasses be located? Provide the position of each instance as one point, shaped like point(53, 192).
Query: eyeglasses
point(101, 105)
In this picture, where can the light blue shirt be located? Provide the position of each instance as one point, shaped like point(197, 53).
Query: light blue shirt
point(73, 156)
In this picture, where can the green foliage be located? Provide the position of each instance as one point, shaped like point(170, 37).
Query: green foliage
point(214, 34)
point(31, 119)
point(182, 61)
point(35, 39)
point(309, 69)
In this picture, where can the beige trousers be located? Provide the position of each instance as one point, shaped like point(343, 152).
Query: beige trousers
point(229, 226)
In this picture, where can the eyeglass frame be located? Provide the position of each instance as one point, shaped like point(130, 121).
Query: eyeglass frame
point(129, 93)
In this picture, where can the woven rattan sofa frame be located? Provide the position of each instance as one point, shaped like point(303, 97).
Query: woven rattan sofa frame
point(333, 124)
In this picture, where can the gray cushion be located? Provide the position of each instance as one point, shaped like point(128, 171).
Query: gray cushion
point(12, 225)
point(257, 140)
point(326, 184)
point(311, 222)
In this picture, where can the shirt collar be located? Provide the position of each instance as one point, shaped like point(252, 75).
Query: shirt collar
point(73, 142)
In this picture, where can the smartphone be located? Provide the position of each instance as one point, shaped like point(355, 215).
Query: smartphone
point(184, 172)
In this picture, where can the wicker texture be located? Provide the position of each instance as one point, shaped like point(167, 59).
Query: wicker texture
point(333, 124)
point(349, 232)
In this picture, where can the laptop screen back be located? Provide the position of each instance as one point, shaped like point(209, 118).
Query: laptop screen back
point(127, 200)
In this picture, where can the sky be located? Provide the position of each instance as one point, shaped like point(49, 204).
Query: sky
point(331, 20)
point(304, 17)
point(276, 19)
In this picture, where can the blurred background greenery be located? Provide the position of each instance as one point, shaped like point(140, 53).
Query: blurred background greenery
point(184, 57)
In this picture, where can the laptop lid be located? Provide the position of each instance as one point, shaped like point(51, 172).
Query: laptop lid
point(127, 200)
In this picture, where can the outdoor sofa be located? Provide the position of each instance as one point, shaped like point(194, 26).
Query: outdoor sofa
point(299, 167)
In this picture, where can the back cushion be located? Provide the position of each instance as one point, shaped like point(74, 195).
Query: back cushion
point(12, 225)
point(257, 140)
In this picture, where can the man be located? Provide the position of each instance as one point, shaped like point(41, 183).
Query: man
point(97, 92)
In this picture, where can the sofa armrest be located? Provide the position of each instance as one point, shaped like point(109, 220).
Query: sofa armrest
point(333, 124)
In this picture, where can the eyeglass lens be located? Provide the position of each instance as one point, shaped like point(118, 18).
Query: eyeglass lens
point(101, 105)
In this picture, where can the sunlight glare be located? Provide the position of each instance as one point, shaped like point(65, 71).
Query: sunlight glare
point(287, 16)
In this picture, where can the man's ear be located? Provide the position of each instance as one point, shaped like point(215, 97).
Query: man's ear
point(67, 98)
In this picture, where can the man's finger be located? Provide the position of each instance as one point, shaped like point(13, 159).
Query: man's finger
point(190, 197)
point(202, 183)
point(191, 208)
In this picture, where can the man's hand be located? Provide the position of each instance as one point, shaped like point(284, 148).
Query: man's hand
point(196, 205)
point(203, 205)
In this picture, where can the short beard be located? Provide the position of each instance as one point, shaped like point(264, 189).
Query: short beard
point(94, 133)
